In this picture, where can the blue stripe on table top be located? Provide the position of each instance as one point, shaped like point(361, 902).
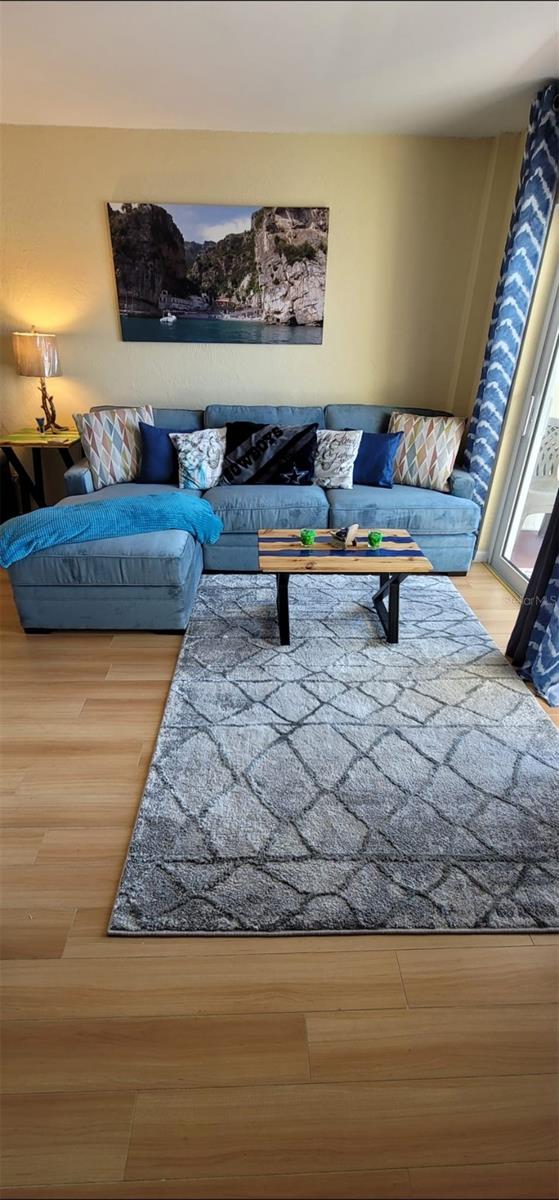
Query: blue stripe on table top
point(303, 552)
point(327, 538)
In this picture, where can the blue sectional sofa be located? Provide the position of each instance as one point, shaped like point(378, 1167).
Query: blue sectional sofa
point(149, 581)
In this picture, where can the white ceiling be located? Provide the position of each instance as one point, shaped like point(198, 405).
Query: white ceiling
point(332, 66)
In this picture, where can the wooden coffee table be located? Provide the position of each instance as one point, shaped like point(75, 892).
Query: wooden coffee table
point(280, 553)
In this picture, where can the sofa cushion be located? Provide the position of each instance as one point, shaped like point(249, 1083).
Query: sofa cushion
point(248, 507)
point(372, 418)
point(264, 414)
point(142, 560)
point(183, 420)
point(462, 483)
point(416, 509)
point(114, 490)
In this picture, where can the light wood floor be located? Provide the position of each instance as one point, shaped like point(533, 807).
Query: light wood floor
point(369, 1067)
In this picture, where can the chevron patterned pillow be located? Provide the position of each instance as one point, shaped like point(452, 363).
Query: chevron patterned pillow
point(427, 453)
point(112, 444)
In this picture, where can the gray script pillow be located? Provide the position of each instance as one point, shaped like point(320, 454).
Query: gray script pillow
point(335, 458)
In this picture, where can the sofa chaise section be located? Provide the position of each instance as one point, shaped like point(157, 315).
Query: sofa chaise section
point(145, 581)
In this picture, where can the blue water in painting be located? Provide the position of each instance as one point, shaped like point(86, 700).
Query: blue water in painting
point(206, 329)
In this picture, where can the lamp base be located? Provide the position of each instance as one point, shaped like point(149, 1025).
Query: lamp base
point(49, 410)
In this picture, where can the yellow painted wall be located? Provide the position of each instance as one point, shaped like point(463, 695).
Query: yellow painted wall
point(417, 228)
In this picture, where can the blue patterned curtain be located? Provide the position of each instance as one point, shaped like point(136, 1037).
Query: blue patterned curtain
point(534, 642)
point(530, 222)
point(542, 656)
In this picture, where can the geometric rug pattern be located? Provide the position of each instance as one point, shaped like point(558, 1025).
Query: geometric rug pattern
point(340, 784)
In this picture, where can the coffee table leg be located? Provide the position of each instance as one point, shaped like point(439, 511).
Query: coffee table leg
point(394, 610)
point(389, 618)
point(282, 601)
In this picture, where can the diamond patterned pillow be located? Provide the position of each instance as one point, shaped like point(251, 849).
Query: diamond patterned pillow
point(200, 456)
point(112, 444)
point(426, 455)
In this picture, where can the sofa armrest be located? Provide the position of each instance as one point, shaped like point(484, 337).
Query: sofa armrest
point(78, 479)
point(461, 484)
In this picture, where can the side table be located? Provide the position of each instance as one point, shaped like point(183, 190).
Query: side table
point(29, 439)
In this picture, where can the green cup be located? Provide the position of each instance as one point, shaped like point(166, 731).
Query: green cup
point(374, 539)
point(307, 537)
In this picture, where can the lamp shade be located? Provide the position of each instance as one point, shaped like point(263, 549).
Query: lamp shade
point(36, 354)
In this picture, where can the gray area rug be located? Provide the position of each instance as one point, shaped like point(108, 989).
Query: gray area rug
point(341, 784)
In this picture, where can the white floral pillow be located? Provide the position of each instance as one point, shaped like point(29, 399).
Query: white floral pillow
point(200, 456)
point(112, 443)
point(335, 457)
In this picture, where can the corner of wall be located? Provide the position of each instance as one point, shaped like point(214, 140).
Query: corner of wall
point(504, 156)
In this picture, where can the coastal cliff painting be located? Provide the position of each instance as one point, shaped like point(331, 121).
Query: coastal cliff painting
point(209, 273)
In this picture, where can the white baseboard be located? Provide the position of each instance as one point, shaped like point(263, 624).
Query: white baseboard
point(481, 556)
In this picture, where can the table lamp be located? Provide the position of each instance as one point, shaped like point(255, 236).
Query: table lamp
point(36, 354)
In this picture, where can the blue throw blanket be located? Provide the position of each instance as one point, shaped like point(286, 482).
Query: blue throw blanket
point(92, 520)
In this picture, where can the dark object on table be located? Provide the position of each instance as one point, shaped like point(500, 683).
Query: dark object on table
point(347, 536)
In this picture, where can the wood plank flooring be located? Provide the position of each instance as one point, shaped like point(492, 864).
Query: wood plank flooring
point(395, 1067)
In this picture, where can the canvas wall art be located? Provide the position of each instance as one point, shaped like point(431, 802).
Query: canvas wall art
point(209, 273)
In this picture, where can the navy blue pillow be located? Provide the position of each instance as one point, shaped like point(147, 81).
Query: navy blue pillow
point(159, 457)
point(374, 465)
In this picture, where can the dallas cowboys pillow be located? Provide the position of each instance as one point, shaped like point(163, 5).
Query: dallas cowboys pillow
point(269, 454)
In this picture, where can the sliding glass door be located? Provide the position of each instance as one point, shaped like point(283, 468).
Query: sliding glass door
point(534, 471)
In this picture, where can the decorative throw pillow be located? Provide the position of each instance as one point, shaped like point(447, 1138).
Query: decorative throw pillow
point(428, 450)
point(200, 456)
point(112, 444)
point(336, 455)
point(269, 454)
point(374, 465)
point(159, 457)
